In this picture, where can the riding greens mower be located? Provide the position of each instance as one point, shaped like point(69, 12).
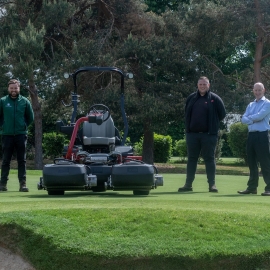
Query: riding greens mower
point(97, 158)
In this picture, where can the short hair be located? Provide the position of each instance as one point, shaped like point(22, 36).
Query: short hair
point(13, 81)
point(204, 78)
point(260, 84)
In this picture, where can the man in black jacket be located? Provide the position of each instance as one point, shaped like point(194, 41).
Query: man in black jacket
point(203, 112)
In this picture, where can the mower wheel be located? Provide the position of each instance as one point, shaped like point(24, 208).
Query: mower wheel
point(98, 189)
point(56, 192)
point(141, 192)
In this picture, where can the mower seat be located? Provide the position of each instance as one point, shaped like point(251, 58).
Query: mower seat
point(103, 134)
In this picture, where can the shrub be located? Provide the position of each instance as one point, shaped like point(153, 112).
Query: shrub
point(220, 141)
point(226, 150)
point(53, 144)
point(162, 148)
point(138, 147)
point(180, 149)
point(237, 139)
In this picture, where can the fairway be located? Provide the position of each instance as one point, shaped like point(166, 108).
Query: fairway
point(227, 199)
point(117, 230)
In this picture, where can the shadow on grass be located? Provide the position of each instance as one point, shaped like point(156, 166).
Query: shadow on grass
point(43, 254)
point(234, 195)
point(91, 194)
point(115, 194)
point(182, 193)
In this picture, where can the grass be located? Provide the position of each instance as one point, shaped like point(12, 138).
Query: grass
point(228, 161)
point(116, 230)
point(220, 169)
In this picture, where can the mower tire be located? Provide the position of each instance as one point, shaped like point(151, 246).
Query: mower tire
point(141, 192)
point(56, 192)
point(98, 189)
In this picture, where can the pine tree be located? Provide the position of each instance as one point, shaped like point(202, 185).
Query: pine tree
point(37, 40)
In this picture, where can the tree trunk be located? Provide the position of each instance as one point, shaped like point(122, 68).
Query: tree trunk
point(38, 124)
point(148, 143)
point(259, 43)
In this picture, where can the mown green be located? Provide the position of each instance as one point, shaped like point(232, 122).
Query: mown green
point(116, 230)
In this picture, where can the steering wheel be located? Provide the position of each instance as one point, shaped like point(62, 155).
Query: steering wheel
point(100, 109)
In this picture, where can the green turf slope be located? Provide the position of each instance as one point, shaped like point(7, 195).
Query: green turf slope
point(116, 230)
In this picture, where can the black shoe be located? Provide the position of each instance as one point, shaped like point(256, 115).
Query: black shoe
point(213, 188)
point(185, 188)
point(266, 193)
point(247, 191)
point(23, 187)
point(3, 187)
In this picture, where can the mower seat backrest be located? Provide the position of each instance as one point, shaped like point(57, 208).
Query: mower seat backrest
point(103, 134)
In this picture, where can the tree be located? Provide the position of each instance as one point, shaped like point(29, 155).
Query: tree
point(135, 41)
point(237, 38)
point(37, 38)
point(22, 52)
point(166, 52)
point(155, 99)
point(160, 6)
point(146, 45)
point(262, 46)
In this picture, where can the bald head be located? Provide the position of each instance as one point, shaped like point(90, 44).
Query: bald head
point(258, 85)
point(258, 90)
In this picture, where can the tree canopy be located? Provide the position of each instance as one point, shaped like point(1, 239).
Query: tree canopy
point(166, 44)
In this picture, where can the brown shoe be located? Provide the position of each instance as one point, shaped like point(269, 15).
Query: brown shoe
point(213, 188)
point(185, 189)
point(266, 193)
point(247, 191)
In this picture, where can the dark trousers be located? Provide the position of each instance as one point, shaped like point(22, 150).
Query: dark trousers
point(258, 152)
point(9, 143)
point(205, 144)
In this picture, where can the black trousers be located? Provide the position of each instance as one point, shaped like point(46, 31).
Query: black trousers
point(9, 143)
point(258, 152)
point(205, 144)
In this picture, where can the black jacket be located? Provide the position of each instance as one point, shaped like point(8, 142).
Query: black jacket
point(216, 111)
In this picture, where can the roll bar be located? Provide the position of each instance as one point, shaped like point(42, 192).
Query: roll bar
point(75, 96)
